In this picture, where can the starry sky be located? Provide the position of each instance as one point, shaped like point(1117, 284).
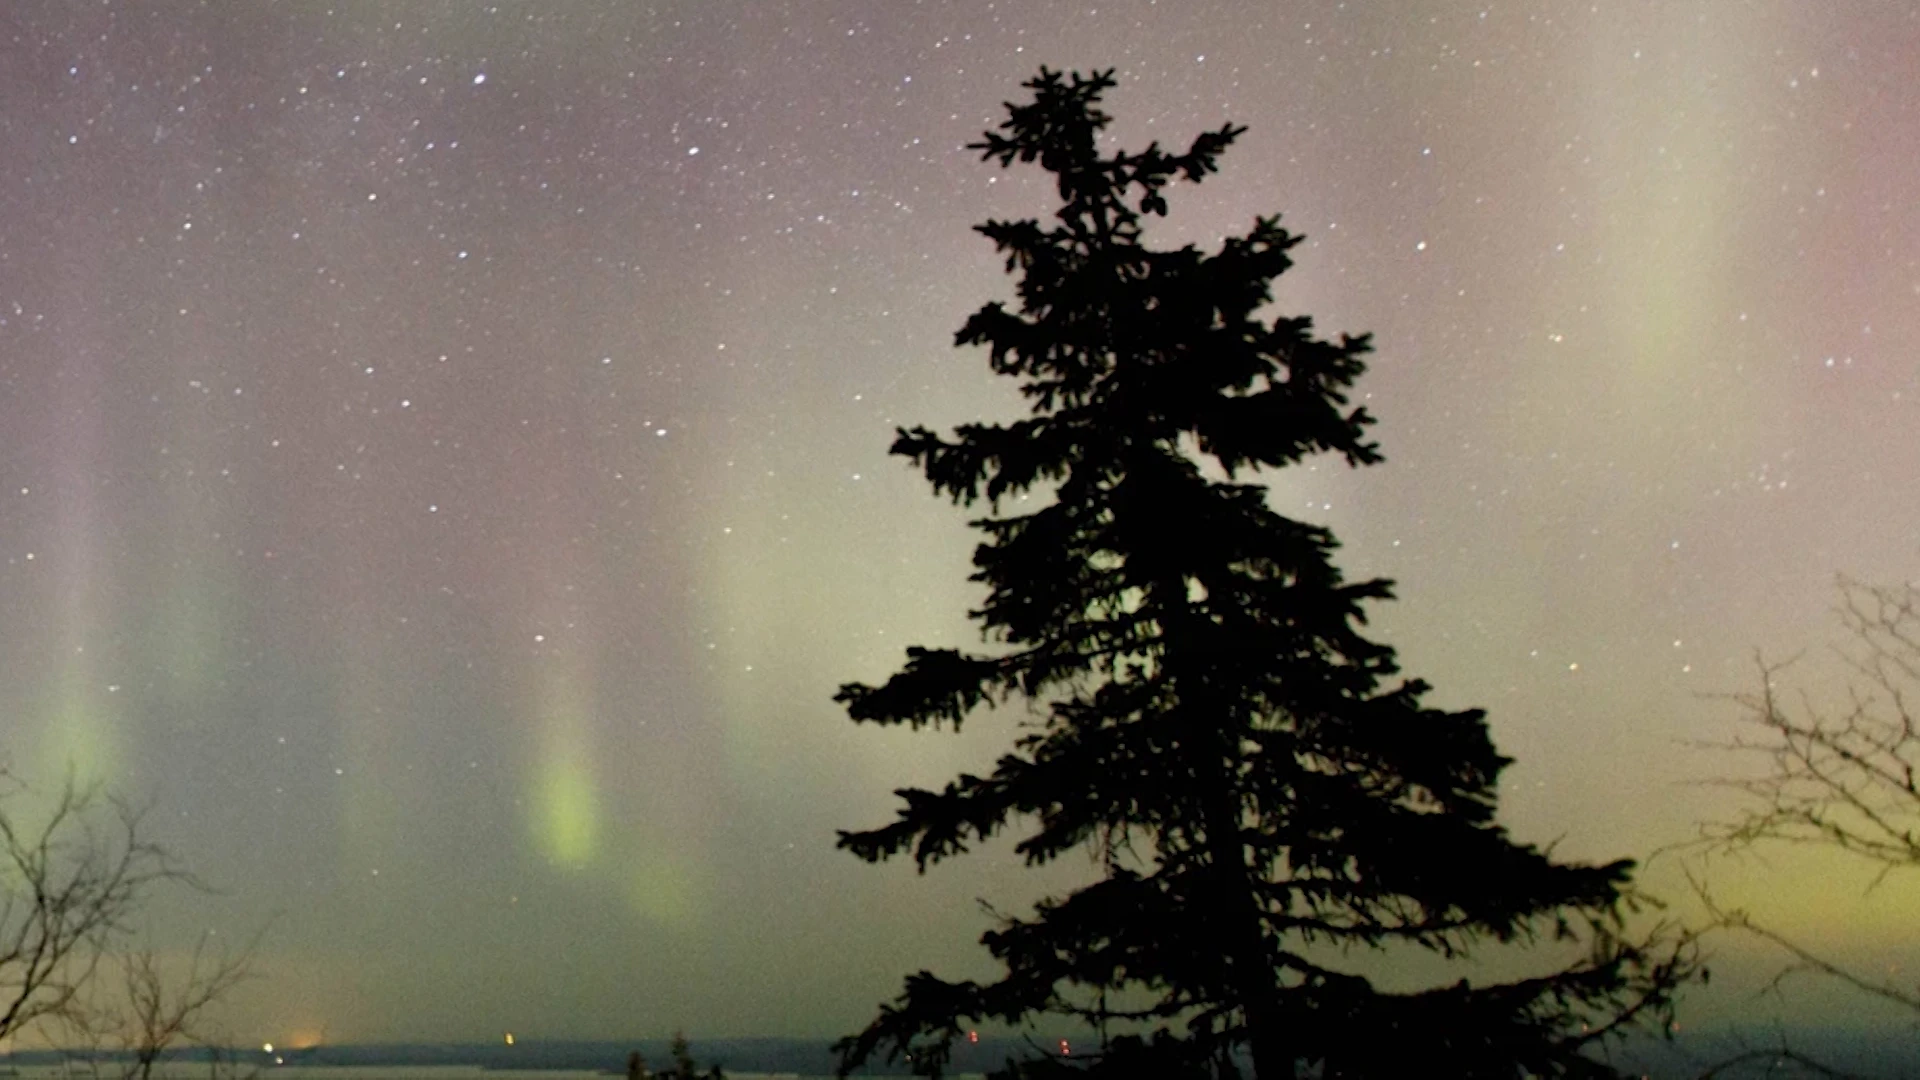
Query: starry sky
point(442, 444)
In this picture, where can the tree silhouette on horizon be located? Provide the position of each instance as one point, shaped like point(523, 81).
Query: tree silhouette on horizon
point(1262, 792)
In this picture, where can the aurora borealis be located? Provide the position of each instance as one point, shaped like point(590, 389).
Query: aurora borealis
point(442, 445)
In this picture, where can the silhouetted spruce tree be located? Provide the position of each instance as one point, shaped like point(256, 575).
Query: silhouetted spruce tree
point(1264, 795)
point(684, 1067)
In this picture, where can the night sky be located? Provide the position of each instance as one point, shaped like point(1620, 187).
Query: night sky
point(443, 445)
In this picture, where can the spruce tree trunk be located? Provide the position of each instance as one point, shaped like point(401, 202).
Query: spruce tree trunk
point(1272, 1060)
point(1245, 943)
point(1242, 938)
point(1270, 1043)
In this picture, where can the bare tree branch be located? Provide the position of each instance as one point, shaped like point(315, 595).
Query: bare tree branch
point(163, 1013)
point(1840, 776)
point(1848, 777)
point(1775, 1057)
point(74, 875)
point(1805, 961)
point(68, 890)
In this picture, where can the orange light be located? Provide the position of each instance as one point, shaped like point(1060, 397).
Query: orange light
point(509, 1038)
